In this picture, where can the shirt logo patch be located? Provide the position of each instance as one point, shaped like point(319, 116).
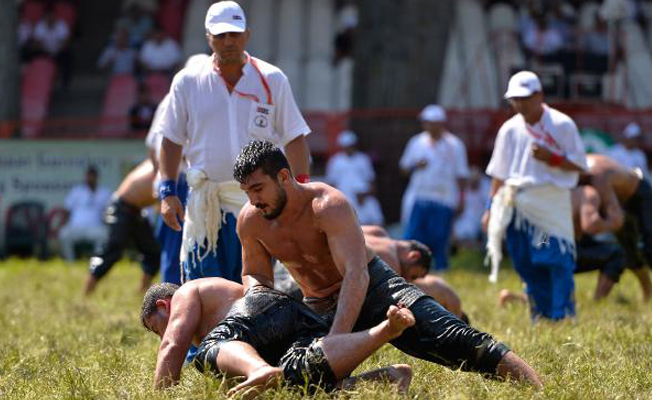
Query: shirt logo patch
point(262, 110)
point(260, 121)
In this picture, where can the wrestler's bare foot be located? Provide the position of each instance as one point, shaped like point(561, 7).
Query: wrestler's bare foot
point(398, 320)
point(257, 382)
point(506, 296)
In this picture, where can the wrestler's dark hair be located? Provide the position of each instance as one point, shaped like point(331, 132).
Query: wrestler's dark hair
point(156, 292)
point(259, 154)
point(425, 258)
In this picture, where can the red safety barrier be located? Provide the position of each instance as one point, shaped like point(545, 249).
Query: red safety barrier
point(120, 97)
point(171, 15)
point(158, 86)
point(36, 93)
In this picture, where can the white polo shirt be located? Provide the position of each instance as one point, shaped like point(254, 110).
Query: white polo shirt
point(512, 159)
point(86, 207)
point(348, 173)
point(446, 162)
point(214, 125)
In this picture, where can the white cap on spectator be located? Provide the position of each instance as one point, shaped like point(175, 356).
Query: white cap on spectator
point(433, 113)
point(523, 84)
point(632, 130)
point(347, 138)
point(225, 16)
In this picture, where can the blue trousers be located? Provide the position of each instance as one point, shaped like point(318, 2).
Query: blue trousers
point(225, 263)
point(170, 240)
point(430, 222)
point(546, 271)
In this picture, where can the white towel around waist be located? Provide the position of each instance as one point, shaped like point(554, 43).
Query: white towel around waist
point(546, 210)
point(204, 218)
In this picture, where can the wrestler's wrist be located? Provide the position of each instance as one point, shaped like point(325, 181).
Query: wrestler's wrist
point(167, 188)
point(302, 178)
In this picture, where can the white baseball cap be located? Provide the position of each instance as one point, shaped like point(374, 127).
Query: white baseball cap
point(225, 16)
point(632, 130)
point(347, 138)
point(433, 113)
point(523, 84)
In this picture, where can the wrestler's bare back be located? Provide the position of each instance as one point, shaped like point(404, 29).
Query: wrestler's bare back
point(214, 298)
point(624, 181)
point(297, 239)
point(137, 187)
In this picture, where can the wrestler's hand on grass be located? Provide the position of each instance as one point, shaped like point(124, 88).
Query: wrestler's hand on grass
point(172, 212)
point(257, 382)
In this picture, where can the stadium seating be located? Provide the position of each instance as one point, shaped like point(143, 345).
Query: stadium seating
point(171, 17)
point(319, 78)
point(472, 81)
point(321, 32)
point(119, 98)
point(194, 39)
point(26, 229)
point(38, 81)
point(586, 20)
point(66, 12)
point(503, 32)
point(32, 11)
point(343, 85)
point(158, 86)
point(260, 17)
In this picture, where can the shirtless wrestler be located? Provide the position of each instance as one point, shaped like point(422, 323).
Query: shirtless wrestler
point(126, 224)
point(313, 231)
point(411, 260)
point(262, 336)
point(624, 188)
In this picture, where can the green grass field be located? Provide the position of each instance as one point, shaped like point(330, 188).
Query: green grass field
point(56, 345)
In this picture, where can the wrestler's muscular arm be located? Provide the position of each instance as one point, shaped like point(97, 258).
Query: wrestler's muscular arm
point(257, 266)
point(347, 246)
point(614, 215)
point(169, 160)
point(495, 186)
point(185, 314)
point(591, 221)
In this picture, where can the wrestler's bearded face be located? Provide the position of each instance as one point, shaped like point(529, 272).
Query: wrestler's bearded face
point(272, 209)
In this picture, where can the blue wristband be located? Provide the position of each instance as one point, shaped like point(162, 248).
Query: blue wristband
point(167, 188)
point(489, 200)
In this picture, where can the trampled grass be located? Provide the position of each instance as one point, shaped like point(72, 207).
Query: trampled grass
point(56, 345)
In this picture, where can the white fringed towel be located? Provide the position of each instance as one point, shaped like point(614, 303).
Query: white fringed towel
point(204, 215)
point(546, 210)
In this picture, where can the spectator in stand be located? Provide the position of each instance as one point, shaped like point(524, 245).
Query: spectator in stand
point(51, 37)
point(595, 47)
point(541, 39)
point(142, 113)
point(435, 160)
point(160, 53)
point(351, 172)
point(627, 152)
point(138, 22)
point(345, 36)
point(119, 57)
point(85, 205)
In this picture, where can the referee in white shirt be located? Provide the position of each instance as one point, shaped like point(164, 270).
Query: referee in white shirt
point(216, 107)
